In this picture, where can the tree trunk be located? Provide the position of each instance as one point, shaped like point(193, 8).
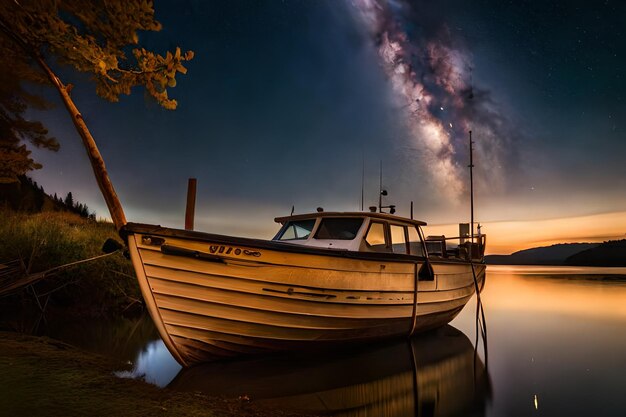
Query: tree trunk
point(97, 163)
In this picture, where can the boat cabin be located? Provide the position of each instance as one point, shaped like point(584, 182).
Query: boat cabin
point(358, 231)
point(374, 232)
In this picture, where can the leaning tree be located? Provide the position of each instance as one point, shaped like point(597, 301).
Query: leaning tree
point(99, 37)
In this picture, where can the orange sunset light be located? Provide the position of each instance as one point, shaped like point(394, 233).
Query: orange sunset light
point(504, 237)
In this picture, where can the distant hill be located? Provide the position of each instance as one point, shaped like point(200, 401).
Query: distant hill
point(611, 253)
point(545, 255)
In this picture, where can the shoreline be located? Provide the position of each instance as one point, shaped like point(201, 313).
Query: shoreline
point(40, 376)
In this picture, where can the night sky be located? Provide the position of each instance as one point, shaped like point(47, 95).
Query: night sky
point(286, 101)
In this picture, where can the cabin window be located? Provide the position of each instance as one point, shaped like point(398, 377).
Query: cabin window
point(398, 239)
point(415, 243)
point(295, 230)
point(375, 237)
point(341, 228)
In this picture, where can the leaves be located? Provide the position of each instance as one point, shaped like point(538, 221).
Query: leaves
point(92, 39)
point(15, 161)
point(157, 73)
point(15, 130)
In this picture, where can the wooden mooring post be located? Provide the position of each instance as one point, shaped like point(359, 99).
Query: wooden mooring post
point(191, 203)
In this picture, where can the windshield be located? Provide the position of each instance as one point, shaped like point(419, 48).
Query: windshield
point(340, 228)
point(300, 229)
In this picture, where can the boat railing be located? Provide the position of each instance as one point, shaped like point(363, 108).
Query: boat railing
point(459, 247)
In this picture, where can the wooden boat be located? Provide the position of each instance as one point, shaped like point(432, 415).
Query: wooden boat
point(325, 278)
point(214, 296)
point(437, 373)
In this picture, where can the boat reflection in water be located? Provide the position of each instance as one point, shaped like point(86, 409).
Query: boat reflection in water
point(435, 374)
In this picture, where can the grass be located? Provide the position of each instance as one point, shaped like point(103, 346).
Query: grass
point(50, 239)
point(44, 377)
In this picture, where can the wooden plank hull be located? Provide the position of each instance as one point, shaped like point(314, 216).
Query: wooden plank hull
point(213, 300)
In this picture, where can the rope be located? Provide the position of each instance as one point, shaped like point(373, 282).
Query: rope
point(414, 313)
point(61, 267)
point(480, 317)
point(33, 278)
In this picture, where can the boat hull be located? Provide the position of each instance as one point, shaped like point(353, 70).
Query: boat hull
point(211, 297)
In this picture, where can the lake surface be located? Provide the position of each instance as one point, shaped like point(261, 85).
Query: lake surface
point(556, 346)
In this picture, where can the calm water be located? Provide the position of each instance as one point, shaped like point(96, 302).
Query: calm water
point(556, 346)
point(556, 340)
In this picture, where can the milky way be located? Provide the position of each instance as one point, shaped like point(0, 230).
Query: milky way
point(431, 77)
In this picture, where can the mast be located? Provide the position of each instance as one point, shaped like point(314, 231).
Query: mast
point(471, 167)
point(471, 155)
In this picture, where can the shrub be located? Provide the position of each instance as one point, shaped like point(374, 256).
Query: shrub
point(50, 239)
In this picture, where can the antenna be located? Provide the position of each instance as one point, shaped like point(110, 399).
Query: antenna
point(471, 167)
point(381, 193)
point(362, 180)
point(380, 189)
point(293, 208)
point(411, 209)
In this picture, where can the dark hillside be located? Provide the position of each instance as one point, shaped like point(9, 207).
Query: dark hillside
point(611, 253)
point(546, 255)
point(28, 197)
